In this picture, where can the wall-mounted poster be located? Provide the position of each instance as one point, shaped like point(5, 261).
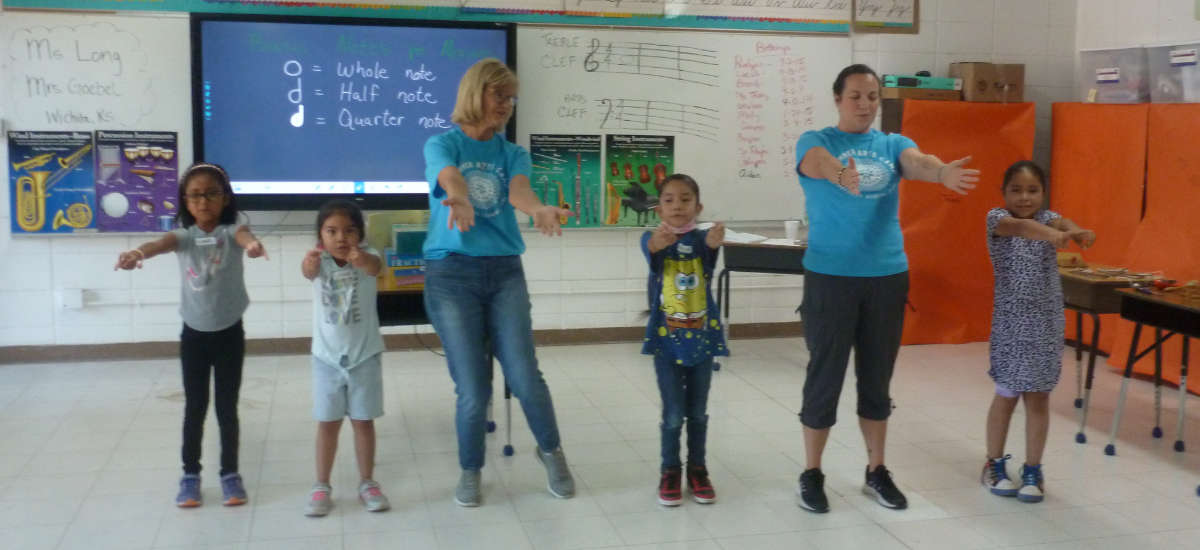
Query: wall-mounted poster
point(637, 168)
point(887, 16)
point(50, 182)
point(137, 180)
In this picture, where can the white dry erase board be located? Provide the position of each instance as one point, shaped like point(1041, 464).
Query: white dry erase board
point(95, 72)
point(735, 102)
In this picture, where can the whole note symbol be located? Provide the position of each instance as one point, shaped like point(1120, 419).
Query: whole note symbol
point(297, 119)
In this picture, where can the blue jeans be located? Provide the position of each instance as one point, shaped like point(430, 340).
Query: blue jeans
point(684, 392)
point(472, 301)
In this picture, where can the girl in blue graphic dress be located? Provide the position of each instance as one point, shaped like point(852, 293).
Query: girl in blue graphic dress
point(1027, 322)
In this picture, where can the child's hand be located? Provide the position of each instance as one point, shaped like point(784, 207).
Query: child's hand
point(716, 235)
point(312, 260)
point(1060, 239)
point(256, 249)
point(662, 237)
point(956, 178)
point(848, 177)
point(358, 258)
point(1083, 237)
point(462, 213)
point(547, 219)
point(130, 259)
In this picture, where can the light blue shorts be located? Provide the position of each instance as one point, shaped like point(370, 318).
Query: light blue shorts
point(356, 392)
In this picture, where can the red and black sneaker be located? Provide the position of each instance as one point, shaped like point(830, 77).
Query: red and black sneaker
point(699, 485)
point(669, 492)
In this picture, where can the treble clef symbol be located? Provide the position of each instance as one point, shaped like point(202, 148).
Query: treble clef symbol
point(590, 65)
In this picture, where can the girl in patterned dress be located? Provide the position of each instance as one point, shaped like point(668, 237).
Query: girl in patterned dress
point(1027, 322)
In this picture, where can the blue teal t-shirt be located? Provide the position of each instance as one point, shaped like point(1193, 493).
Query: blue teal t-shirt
point(684, 323)
point(488, 167)
point(856, 236)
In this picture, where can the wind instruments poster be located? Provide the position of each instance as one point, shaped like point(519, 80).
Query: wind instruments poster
point(51, 183)
point(566, 173)
point(137, 180)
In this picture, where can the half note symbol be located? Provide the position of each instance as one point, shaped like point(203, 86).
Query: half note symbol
point(297, 119)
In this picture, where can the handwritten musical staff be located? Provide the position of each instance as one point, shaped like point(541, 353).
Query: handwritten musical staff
point(675, 62)
point(660, 116)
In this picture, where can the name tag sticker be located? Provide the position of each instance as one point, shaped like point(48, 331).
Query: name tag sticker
point(206, 241)
point(343, 275)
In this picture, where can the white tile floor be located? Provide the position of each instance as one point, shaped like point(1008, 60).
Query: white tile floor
point(88, 459)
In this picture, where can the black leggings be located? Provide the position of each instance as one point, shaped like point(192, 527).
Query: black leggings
point(840, 313)
point(220, 352)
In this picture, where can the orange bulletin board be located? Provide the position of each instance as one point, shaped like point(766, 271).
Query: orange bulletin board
point(1097, 176)
point(944, 232)
point(1168, 238)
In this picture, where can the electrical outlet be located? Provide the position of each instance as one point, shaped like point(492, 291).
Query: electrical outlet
point(70, 298)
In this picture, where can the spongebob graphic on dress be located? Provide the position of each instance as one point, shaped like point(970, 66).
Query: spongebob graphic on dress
point(684, 323)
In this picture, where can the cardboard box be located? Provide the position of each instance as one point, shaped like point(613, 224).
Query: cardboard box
point(921, 93)
point(991, 82)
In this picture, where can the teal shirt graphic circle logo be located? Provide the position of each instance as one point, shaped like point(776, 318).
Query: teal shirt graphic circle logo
point(874, 177)
point(484, 189)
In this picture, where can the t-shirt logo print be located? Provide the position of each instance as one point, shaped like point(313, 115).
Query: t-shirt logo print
point(873, 177)
point(484, 189)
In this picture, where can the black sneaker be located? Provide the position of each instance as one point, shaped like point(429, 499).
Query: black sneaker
point(879, 485)
point(812, 491)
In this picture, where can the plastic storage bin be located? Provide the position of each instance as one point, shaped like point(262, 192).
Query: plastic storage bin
point(1174, 73)
point(1114, 76)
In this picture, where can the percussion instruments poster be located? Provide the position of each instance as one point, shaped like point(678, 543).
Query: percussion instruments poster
point(137, 180)
point(566, 173)
point(637, 168)
point(51, 182)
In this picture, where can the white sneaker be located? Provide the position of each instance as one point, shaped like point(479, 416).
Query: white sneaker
point(1031, 484)
point(319, 501)
point(995, 477)
point(372, 496)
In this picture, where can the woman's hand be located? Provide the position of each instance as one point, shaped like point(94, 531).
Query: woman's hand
point(546, 219)
point(847, 177)
point(956, 178)
point(462, 213)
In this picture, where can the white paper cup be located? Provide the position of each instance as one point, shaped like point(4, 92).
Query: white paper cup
point(791, 230)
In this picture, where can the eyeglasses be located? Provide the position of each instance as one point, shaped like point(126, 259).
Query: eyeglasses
point(210, 196)
point(502, 98)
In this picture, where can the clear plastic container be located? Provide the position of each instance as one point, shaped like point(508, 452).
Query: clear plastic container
point(1174, 73)
point(1114, 76)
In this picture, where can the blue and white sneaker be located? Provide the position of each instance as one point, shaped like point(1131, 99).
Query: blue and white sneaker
point(1031, 484)
point(995, 477)
point(189, 491)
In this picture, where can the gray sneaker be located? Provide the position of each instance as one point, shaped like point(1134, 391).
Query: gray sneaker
point(372, 496)
point(319, 502)
point(558, 476)
point(468, 493)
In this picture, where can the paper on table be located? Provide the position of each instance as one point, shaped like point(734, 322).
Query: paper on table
point(783, 242)
point(735, 237)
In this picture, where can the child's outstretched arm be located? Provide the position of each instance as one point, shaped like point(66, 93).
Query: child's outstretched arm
point(1031, 229)
point(1083, 237)
point(716, 236)
point(131, 259)
point(661, 238)
point(245, 239)
point(310, 266)
point(916, 165)
point(369, 263)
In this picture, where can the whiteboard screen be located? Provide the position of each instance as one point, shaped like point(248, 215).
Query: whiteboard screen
point(735, 102)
